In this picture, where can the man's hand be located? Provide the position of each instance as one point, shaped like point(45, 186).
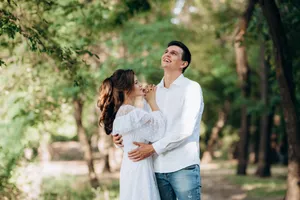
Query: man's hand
point(117, 139)
point(144, 151)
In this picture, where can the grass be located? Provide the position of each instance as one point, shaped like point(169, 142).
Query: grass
point(256, 187)
point(69, 187)
point(261, 187)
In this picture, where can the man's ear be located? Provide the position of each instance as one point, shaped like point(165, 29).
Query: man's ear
point(184, 64)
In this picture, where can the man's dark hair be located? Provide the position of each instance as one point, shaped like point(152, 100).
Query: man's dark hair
point(186, 55)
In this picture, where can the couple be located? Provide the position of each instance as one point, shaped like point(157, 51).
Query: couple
point(166, 164)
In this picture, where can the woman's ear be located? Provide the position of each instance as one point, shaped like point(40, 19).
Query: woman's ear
point(126, 92)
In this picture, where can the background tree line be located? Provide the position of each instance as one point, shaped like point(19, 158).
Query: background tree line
point(54, 55)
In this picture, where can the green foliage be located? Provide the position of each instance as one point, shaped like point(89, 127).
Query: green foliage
point(11, 150)
point(55, 52)
point(145, 44)
point(290, 14)
point(49, 69)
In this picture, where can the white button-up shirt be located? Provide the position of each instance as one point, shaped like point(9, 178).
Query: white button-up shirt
point(182, 105)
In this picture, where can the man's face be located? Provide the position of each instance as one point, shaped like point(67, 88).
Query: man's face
point(172, 59)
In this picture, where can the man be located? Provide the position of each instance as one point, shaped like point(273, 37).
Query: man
point(176, 156)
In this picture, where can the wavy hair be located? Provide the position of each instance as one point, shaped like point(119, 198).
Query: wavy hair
point(111, 96)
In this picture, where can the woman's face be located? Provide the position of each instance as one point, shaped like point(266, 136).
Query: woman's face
point(137, 88)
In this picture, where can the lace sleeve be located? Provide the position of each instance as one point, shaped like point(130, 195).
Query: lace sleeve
point(150, 126)
point(153, 126)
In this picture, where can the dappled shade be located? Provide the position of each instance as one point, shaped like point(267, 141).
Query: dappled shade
point(55, 54)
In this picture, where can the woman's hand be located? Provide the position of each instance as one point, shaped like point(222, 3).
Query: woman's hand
point(150, 93)
point(117, 139)
point(150, 96)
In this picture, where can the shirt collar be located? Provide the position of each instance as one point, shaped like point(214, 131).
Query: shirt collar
point(177, 81)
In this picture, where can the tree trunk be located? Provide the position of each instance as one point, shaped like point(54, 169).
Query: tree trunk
point(256, 140)
point(105, 145)
point(208, 155)
point(78, 106)
point(283, 149)
point(243, 72)
point(264, 157)
point(284, 77)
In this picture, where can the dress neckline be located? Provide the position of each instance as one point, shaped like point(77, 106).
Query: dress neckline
point(127, 105)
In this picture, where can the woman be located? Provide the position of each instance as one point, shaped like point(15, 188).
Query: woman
point(119, 116)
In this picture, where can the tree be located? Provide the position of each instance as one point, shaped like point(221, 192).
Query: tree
point(208, 155)
point(243, 71)
point(264, 154)
point(43, 33)
point(284, 74)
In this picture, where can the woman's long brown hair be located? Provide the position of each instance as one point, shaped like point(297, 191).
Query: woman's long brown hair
point(111, 96)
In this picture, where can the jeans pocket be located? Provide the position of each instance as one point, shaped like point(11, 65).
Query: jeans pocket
point(192, 167)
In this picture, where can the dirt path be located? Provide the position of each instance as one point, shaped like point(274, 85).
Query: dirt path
point(214, 184)
point(216, 187)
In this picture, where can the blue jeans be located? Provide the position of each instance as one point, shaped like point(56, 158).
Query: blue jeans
point(184, 184)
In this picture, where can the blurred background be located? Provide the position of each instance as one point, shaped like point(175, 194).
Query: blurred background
point(55, 54)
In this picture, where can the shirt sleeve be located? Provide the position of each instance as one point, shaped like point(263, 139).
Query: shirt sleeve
point(191, 114)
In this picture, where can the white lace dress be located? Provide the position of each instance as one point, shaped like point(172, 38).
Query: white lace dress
point(137, 179)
